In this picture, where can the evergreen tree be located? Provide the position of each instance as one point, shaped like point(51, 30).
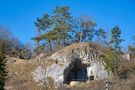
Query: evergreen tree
point(116, 38)
point(44, 26)
point(62, 23)
point(55, 27)
point(2, 67)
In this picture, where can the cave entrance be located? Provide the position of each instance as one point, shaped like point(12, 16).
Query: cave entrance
point(76, 71)
point(91, 78)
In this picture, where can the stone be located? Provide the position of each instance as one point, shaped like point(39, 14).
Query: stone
point(74, 83)
point(77, 62)
point(39, 74)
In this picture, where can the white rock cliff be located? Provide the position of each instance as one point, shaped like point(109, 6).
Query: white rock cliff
point(77, 62)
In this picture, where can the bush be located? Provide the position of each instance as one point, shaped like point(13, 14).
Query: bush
point(111, 60)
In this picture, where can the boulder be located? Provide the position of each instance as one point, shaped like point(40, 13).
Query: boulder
point(74, 83)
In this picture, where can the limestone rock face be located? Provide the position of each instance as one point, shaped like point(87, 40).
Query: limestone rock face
point(77, 62)
point(39, 74)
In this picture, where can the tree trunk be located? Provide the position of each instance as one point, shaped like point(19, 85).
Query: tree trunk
point(50, 46)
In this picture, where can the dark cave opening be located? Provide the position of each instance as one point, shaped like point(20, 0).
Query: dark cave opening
point(76, 71)
point(91, 78)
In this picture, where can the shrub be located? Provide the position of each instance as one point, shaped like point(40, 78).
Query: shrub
point(111, 60)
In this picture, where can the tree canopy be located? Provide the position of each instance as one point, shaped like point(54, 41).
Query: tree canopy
point(61, 28)
point(116, 38)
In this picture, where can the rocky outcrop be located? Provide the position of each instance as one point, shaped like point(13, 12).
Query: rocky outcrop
point(77, 62)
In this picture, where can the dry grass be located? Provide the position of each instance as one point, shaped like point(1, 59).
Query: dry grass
point(92, 85)
point(126, 68)
point(23, 79)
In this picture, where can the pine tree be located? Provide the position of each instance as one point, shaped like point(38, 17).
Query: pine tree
point(55, 27)
point(116, 38)
point(62, 23)
point(2, 68)
point(44, 25)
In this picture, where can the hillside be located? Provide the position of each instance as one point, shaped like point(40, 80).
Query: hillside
point(75, 67)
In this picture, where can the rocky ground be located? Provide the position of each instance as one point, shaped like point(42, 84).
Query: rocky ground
point(45, 73)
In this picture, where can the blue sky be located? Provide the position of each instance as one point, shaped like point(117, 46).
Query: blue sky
point(19, 15)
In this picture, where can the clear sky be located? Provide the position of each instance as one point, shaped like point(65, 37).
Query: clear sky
point(19, 15)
